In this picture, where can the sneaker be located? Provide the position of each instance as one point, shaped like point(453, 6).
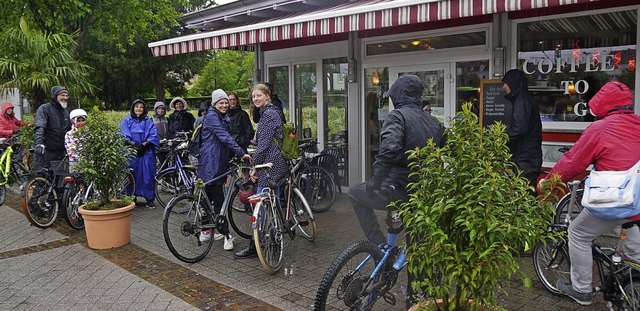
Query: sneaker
point(150, 205)
point(205, 235)
point(565, 288)
point(228, 243)
point(218, 236)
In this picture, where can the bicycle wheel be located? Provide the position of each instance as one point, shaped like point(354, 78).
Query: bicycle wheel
point(19, 173)
point(38, 204)
point(74, 196)
point(239, 215)
point(268, 236)
point(318, 187)
point(128, 187)
point(171, 183)
point(3, 193)
point(551, 262)
point(182, 223)
point(562, 208)
point(631, 288)
point(302, 215)
point(342, 285)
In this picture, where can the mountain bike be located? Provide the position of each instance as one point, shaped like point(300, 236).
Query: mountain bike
point(174, 176)
point(364, 272)
point(12, 170)
point(78, 191)
point(619, 274)
point(41, 194)
point(188, 214)
point(275, 217)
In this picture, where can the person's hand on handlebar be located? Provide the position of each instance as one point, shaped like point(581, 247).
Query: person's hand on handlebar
point(246, 158)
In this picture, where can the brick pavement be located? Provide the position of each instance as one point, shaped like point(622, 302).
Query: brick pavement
point(145, 276)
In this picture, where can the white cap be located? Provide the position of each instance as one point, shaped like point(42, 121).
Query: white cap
point(77, 113)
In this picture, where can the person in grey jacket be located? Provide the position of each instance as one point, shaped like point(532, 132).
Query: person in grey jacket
point(407, 127)
point(52, 123)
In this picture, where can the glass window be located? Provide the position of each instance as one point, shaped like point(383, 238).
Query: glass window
point(334, 71)
point(428, 43)
point(279, 77)
point(376, 108)
point(468, 77)
point(306, 101)
point(568, 59)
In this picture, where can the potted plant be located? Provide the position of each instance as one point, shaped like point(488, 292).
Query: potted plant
point(103, 162)
point(469, 216)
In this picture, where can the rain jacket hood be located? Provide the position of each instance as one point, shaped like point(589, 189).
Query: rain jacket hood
point(144, 112)
point(173, 102)
point(613, 98)
point(407, 90)
point(5, 107)
point(516, 81)
point(54, 94)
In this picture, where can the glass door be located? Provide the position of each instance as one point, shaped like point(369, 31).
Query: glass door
point(437, 87)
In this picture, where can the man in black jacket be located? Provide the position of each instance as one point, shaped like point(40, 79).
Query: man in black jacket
point(406, 127)
point(525, 127)
point(52, 123)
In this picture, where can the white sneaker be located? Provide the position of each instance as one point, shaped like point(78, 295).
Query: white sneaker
point(228, 243)
point(205, 235)
point(218, 236)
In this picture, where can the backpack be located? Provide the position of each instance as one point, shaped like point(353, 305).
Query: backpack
point(196, 141)
point(289, 148)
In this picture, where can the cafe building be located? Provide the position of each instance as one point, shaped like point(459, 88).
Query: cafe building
point(332, 61)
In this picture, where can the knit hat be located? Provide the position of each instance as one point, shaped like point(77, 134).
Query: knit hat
point(217, 95)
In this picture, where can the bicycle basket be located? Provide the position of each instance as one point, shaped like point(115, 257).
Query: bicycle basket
point(60, 167)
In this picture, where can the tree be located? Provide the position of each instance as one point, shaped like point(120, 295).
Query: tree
point(35, 61)
point(228, 70)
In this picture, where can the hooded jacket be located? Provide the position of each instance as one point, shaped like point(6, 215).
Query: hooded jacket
point(52, 123)
point(406, 127)
point(180, 120)
point(137, 130)
point(240, 127)
point(524, 128)
point(161, 122)
point(611, 143)
point(217, 144)
point(8, 124)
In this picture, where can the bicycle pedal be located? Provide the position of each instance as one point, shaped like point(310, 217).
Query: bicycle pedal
point(389, 298)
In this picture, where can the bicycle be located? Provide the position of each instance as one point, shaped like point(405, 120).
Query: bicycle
point(12, 170)
point(364, 272)
point(188, 214)
point(40, 194)
point(619, 275)
point(314, 181)
point(77, 192)
point(270, 223)
point(174, 176)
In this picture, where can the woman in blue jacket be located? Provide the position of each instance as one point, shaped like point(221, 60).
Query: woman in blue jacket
point(217, 145)
point(140, 133)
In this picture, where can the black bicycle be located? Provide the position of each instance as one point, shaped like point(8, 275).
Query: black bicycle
point(619, 274)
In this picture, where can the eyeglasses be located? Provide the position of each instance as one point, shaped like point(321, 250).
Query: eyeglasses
point(428, 110)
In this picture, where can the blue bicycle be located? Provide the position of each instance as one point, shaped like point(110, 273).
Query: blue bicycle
point(175, 177)
point(364, 272)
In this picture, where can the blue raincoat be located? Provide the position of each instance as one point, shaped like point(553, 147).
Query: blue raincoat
point(217, 144)
point(138, 130)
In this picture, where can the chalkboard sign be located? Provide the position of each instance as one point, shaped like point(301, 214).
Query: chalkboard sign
point(493, 106)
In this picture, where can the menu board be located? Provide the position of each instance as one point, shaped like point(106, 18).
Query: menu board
point(493, 106)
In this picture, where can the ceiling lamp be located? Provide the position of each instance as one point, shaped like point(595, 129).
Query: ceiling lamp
point(375, 78)
point(415, 42)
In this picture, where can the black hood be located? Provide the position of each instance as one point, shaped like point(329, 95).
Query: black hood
point(517, 82)
point(55, 91)
point(407, 90)
point(144, 112)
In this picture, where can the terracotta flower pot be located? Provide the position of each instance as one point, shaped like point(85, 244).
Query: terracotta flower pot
point(107, 229)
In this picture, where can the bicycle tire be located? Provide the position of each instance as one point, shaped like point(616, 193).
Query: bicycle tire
point(268, 236)
point(19, 173)
point(128, 187)
point(318, 186)
point(239, 215)
point(38, 204)
point(169, 184)
point(3, 193)
point(631, 287)
point(551, 263)
point(303, 216)
point(72, 198)
point(563, 207)
point(181, 227)
point(352, 272)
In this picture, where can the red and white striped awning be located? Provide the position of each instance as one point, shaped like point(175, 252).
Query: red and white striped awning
point(361, 15)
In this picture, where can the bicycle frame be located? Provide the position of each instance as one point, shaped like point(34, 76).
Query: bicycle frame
point(178, 165)
point(5, 163)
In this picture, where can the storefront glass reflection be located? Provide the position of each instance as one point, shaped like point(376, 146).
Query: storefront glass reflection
point(567, 59)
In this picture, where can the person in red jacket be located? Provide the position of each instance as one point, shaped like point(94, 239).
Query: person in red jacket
point(9, 124)
point(611, 144)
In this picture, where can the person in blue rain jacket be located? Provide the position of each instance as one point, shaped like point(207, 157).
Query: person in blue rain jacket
point(140, 132)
